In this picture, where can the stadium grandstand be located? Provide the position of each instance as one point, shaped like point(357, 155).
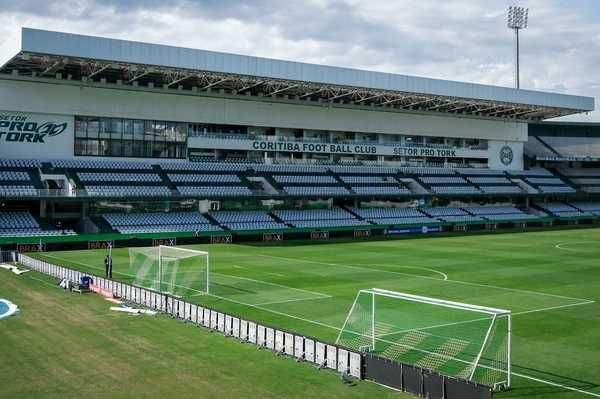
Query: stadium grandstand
point(142, 158)
point(111, 136)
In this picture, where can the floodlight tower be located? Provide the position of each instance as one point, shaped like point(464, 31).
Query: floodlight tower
point(517, 20)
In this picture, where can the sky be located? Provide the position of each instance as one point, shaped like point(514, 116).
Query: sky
point(465, 40)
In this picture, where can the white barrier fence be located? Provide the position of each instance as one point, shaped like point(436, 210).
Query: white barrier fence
point(295, 345)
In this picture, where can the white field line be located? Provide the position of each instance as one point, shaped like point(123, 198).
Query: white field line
point(261, 307)
point(290, 300)
point(42, 281)
point(587, 302)
point(198, 294)
point(556, 384)
point(274, 274)
point(444, 275)
point(270, 273)
point(273, 284)
point(561, 245)
point(428, 278)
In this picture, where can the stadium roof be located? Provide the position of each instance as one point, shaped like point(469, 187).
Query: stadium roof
point(94, 60)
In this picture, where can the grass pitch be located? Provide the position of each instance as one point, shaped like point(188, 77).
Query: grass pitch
point(549, 280)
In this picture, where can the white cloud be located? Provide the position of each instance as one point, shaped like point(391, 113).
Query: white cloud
point(460, 40)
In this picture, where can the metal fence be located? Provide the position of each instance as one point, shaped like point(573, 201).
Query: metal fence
point(418, 381)
point(296, 345)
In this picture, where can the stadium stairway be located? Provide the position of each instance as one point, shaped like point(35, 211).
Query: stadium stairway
point(102, 225)
point(36, 180)
point(354, 214)
point(278, 219)
point(536, 210)
point(342, 182)
point(413, 185)
point(548, 146)
point(524, 186)
point(566, 180)
point(424, 186)
point(214, 222)
point(259, 183)
point(164, 177)
point(87, 225)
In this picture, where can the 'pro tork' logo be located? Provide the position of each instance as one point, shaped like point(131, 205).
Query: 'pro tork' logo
point(17, 128)
point(506, 155)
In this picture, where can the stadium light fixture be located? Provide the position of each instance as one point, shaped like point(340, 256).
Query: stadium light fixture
point(517, 19)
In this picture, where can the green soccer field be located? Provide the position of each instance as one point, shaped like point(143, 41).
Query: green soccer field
point(550, 281)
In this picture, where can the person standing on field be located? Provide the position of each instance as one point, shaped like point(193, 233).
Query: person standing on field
point(106, 261)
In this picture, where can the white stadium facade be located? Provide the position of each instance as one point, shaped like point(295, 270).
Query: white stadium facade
point(98, 124)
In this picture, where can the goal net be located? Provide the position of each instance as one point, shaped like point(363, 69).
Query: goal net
point(452, 338)
point(178, 271)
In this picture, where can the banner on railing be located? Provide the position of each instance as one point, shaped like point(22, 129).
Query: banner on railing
point(319, 235)
point(267, 237)
point(222, 239)
point(169, 242)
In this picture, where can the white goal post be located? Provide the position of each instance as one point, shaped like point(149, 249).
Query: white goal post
point(171, 269)
point(165, 252)
point(457, 339)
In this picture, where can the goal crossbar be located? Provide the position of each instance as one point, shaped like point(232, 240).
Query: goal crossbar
point(438, 302)
point(193, 251)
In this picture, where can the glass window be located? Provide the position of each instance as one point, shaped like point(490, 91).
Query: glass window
point(159, 150)
point(454, 142)
point(138, 130)
point(148, 149)
point(80, 146)
point(130, 138)
point(127, 148)
point(414, 140)
point(116, 128)
point(104, 148)
point(93, 127)
point(138, 148)
point(80, 126)
point(104, 128)
point(149, 131)
point(181, 134)
point(92, 147)
point(435, 140)
point(159, 131)
point(127, 129)
point(115, 148)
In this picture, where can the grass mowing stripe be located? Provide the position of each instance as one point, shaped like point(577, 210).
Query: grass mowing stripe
point(429, 278)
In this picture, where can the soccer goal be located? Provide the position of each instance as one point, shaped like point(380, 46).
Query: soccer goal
point(456, 339)
point(174, 270)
